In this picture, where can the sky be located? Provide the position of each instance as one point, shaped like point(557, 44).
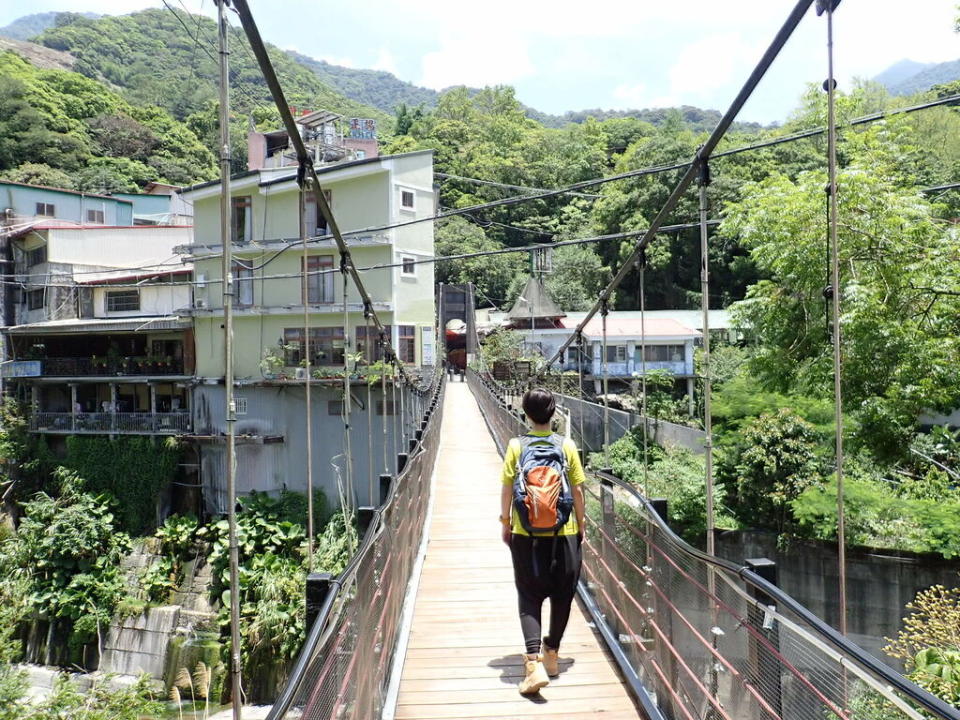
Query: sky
point(563, 55)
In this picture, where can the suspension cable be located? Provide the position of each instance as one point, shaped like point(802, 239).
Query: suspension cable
point(604, 311)
point(383, 391)
point(583, 441)
point(642, 260)
point(307, 367)
point(367, 351)
point(345, 411)
point(830, 6)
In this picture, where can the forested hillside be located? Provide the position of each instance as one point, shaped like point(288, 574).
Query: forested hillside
point(28, 26)
point(60, 128)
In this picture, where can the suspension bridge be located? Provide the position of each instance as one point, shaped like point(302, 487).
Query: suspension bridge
point(422, 622)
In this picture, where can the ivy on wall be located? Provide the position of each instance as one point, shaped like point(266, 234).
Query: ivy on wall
point(132, 470)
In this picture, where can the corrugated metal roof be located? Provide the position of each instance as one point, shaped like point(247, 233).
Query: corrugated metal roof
point(88, 325)
point(630, 327)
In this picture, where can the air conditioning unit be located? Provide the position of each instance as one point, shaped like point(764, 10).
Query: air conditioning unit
point(199, 303)
point(300, 373)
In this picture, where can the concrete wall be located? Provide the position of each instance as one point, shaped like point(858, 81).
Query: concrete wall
point(663, 433)
point(280, 411)
point(115, 247)
point(157, 299)
point(879, 584)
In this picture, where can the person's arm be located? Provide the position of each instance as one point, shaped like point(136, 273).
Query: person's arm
point(578, 508)
point(506, 496)
point(510, 459)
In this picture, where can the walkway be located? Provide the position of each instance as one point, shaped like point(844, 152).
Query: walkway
point(463, 658)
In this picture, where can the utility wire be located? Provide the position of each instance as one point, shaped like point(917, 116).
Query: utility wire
point(478, 181)
point(385, 266)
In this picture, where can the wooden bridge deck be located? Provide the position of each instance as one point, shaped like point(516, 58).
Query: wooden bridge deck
point(463, 659)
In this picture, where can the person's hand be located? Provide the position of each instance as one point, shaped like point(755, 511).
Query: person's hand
point(506, 533)
point(581, 531)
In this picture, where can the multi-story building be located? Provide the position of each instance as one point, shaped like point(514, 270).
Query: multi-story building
point(94, 343)
point(23, 204)
point(382, 206)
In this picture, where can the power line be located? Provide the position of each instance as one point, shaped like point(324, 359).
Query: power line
point(380, 266)
point(477, 181)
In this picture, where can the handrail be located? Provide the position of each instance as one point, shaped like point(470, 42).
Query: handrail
point(335, 603)
point(922, 697)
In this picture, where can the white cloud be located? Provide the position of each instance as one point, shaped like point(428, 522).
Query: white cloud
point(386, 61)
point(475, 60)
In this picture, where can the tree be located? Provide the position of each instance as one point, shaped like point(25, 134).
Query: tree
point(492, 274)
point(775, 460)
point(901, 311)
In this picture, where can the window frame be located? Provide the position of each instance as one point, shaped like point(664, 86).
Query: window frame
point(322, 339)
point(98, 216)
point(321, 285)
point(407, 344)
point(361, 342)
point(243, 282)
point(31, 295)
point(41, 209)
point(241, 221)
point(619, 353)
point(30, 256)
point(113, 295)
point(412, 207)
point(404, 272)
point(314, 224)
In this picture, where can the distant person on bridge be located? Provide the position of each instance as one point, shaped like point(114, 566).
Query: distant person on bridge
point(541, 514)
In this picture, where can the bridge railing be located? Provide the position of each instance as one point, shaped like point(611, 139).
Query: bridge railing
point(343, 668)
point(700, 637)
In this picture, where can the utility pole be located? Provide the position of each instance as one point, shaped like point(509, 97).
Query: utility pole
point(227, 244)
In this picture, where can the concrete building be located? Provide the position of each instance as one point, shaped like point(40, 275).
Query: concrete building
point(92, 346)
point(21, 203)
point(274, 284)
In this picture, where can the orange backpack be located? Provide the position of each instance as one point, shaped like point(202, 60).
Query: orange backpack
point(541, 490)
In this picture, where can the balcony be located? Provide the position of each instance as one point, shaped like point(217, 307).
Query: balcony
point(92, 367)
point(123, 423)
point(627, 369)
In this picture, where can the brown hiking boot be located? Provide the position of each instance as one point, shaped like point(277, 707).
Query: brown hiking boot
point(551, 660)
point(536, 677)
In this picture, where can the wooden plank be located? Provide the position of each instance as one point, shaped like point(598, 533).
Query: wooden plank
point(463, 658)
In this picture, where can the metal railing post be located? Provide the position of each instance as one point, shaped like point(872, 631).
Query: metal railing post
point(762, 658)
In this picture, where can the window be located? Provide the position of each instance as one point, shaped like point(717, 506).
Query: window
point(36, 256)
point(409, 266)
point(95, 216)
point(407, 343)
point(317, 281)
point(240, 403)
point(661, 353)
point(241, 223)
point(35, 299)
point(376, 352)
point(326, 346)
point(407, 199)
point(46, 209)
point(314, 223)
point(243, 281)
point(123, 300)
point(616, 353)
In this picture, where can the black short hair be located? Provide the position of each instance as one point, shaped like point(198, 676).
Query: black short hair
point(539, 405)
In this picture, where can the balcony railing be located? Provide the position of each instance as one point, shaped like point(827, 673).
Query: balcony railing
point(627, 369)
point(174, 423)
point(78, 367)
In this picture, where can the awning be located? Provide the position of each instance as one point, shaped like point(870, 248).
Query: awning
point(92, 325)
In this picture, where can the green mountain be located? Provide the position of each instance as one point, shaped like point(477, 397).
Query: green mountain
point(376, 88)
point(907, 77)
point(28, 26)
point(169, 60)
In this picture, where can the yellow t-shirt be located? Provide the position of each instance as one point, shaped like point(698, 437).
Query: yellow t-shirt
point(574, 475)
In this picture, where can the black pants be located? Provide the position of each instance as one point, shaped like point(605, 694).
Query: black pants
point(545, 568)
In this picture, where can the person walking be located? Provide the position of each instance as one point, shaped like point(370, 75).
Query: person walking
point(541, 515)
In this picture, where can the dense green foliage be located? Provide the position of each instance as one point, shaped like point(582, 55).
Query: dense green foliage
point(156, 61)
point(58, 127)
point(28, 26)
point(103, 701)
point(70, 548)
point(132, 470)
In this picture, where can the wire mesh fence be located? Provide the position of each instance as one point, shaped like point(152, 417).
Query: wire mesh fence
point(343, 669)
point(698, 637)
